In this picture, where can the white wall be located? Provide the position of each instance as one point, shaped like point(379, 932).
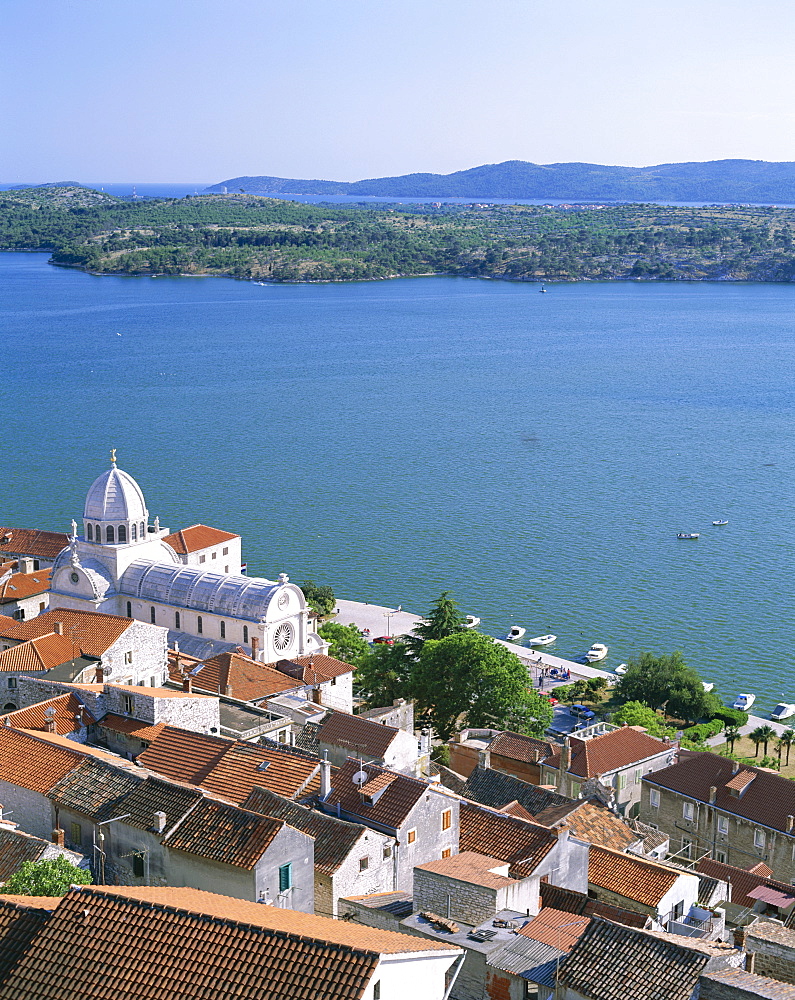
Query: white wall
point(411, 976)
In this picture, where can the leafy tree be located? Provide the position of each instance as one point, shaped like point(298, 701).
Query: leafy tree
point(635, 713)
point(732, 734)
point(766, 734)
point(319, 599)
point(52, 877)
point(442, 620)
point(383, 674)
point(346, 642)
point(469, 679)
point(667, 682)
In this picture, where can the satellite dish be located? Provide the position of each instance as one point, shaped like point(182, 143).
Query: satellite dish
point(360, 777)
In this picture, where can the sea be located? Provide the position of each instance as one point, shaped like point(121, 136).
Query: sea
point(533, 454)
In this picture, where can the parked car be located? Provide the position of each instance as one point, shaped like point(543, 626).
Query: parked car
point(386, 640)
point(582, 713)
point(550, 697)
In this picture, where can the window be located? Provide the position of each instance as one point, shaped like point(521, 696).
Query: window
point(202, 558)
point(575, 789)
point(759, 838)
point(90, 532)
point(12, 682)
point(226, 569)
point(688, 811)
point(128, 704)
point(19, 614)
point(129, 609)
point(387, 852)
point(285, 877)
point(678, 910)
point(122, 533)
point(720, 856)
point(98, 534)
point(138, 865)
point(412, 836)
point(621, 781)
point(223, 630)
point(128, 656)
point(377, 990)
point(133, 532)
point(109, 534)
point(76, 833)
point(226, 551)
point(364, 864)
point(176, 620)
point(638, 775)
point(214, 555)
point(143, 529)
point(447, 819)
point(723, 824)
point(152, 681)
point(199, 625)
point(687, 844)
point(36, 564)
point(531, 991)
point(152, 615)
point(245, 633)
point(654, 798)
point(447, 852)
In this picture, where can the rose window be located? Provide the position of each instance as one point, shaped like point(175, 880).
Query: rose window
point(282, 637)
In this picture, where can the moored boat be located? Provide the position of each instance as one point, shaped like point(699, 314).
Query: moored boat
point(717, 523)
point(782, 711)
point(471, 622)
point(744, 701)
point(687, 534)
point(621, 669)
point(542, 640)
point(597, 652)
point(515, 633)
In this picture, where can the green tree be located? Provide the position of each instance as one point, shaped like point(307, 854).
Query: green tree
point(320, 599)
point(757, 736)
point(384, 674)
point(766, 734)
point(467, 679)
point(46, 878)
point(444, 619)
point(787, 739)
point(732, 734)
point(346, 642)
point(666, 681)
point(635, 713)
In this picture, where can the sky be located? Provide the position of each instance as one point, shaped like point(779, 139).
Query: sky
point(205, 90)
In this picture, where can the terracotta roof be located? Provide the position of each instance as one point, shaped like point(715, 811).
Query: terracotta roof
point(609, 752)
point(514, 809)
point(94, 788)
point(32, 542)
point(741, 780)
point(229, 768)
point(350, 732)
point(152, 795)
point(591, 822)
point(469, 866)
point(629, 876)
point(392, 807)
point(247, 679)
point(334, 838)
point(580, 903)
point(313, 669)
point(16, 848)
point(224, 833)
point(6, 622)
point(42, 653)
point(613, 962)
point(523, 845)
point(132, 727)
point(492, 788)
point(768, 800)
point(745, 984)
point(20, 922)
point(31, 763)
point(741, 881)
point(198, 536)
point(558, 928)
point(93, 632)
point(153, 692)
point(21, 585)
point(518, 747)
point(69, 715)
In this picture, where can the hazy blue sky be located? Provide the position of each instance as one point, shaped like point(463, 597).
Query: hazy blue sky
point(203, 90)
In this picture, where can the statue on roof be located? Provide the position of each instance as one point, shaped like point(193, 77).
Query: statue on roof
point(113, 457)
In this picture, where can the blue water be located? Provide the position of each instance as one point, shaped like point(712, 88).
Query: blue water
point(534, 454)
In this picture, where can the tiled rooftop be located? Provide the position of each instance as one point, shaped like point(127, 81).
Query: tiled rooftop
point(66, 711)
point(591, 822)
point(32, 542)
point(224, 833)
point(146, 731)
point(392, 807)
point(741, 881)
point(153, 795)
point(21, 585)
point(609, 752)
point(20, 922)
point(491, 788)
point(42, 653)
point(356, 735)
point(234, 673)
point(518, 747)
point(317, 668)
point(523, 845)
point(29, 761)
point(746, 984)
point(580, 903)
point(16, 848)
point(196, 537)
point(557, 928)
point(93, 632)
point(468, 866)
point(94, 788)
point(629, 876)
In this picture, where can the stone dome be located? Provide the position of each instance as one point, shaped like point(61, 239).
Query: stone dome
point(115, 496)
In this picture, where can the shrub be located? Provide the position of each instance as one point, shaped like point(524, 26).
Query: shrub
point(731, 716)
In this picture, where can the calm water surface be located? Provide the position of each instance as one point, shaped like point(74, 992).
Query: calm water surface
point(534, 454)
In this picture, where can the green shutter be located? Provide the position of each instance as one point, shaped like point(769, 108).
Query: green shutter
point(285, 877)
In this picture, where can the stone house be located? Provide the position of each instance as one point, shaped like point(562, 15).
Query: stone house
point(24, 593)
point(350, 859)
point(713, 806)
point(211, 548)
point(421, 816)
point(50, 656)
point(771, 949)
point(339, 736)
point(17, 847)
point(617, 759)
point(41, 547)
point(517, 755)
point(66, 715)
point(736, 984)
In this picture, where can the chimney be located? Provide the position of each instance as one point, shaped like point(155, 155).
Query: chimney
point(484, 759)
point(58, 837)
point(713, 792)
point(99, 675)
point(735, 766)
point(565, 763)
point(325, 777)
point(425, 741)
point(228, 690)
point(790, 822)
point(187, 683)
point(25, 565)
point(57, 628)
point(254, 646)
point(160, 821)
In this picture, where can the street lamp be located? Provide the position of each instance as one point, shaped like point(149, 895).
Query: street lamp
point(388, 615)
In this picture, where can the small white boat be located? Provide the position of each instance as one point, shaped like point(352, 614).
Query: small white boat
point(597, 652)
point(717, 523)
point(471, 622)
point(687, 534)
point(542, 640)
point(621, 668)
point(708, 686)
point(515, 633)
point(744, 701)
point(782, 711)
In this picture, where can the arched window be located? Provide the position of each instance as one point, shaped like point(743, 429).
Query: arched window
point(245, 633)
point(9, 707)
point(109, 534)
point(143, 530)
point(199, 626)
point(122, 533)
point(90, 531)
point(223, 630)
point(152, 615)
point(176, 620)
point(129, 609)
point(133, 532)
point(98, 533)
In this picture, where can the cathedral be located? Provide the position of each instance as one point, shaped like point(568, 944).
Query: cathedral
point(123, 565)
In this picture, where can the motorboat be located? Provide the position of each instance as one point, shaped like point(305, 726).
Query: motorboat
point(782, 711)
point(542, 640)
point(744, 701)
point(687, 534)
point(718, 523)
point(597, 652)
point(515, 633)
point(708, 686)
point(471, 622)
point(621, 669)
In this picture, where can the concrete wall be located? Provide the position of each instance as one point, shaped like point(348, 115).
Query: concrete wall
point(566, 864)
point(214, 557)
point(431, 840)
point(410, 975)
point(337, 693)
point(399, 715)
point(30, 810)
point(349, 880)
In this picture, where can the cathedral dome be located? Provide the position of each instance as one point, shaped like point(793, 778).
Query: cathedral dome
point(115, 496)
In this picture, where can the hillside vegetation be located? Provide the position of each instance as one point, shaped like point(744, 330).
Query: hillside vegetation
point(245, 236)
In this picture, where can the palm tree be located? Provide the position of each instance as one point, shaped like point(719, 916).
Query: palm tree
point(787, 739)
point(757, 737)
point(732, 734)
point(767, 733)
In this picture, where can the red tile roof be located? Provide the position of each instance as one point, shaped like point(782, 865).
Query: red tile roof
point(469, 866)
point(32, 542)
point(356, 735)
point(558, 928)
point(609, 752)
point(523, 845)
point(42, 653)
point(32, 763)
point(93, 632)
point(629, 876)
point(66, 706)
point(132, 727)
point(742, 882)
point(21, 919)
point(225, 834)
point(392, 807)
point(317, 668)
point(591, 822)
point(245, 678)
point(518, 747)
point(198, 536)
point(21, 585)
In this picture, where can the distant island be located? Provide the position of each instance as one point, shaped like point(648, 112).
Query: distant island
point(714, 182)
point(263, 239)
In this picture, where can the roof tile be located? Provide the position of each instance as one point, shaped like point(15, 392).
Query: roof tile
point(93, 632)
point(629, 876)
point(197, 536)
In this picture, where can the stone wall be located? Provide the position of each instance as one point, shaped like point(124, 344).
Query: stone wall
point(426, 819)
point(452, 898)
point(351, 880)
point(771, 950)
point(399, 715)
